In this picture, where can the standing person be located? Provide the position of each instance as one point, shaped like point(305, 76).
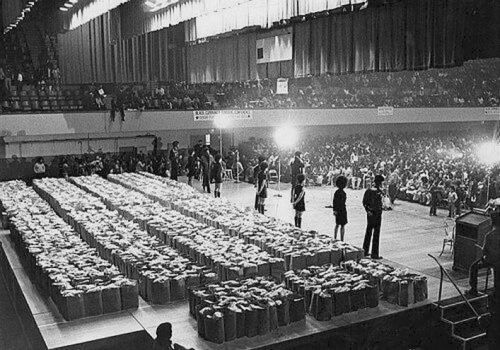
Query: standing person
point(174, 161)
point(262, 187)
point(206, 165)
point(452, 199)
point(217, 175)
point(372, 201)
point(393, 186)
point(339, 207)
point(39, 168)
point(299, 203)
point(191, 167)
point(296, 167)
point(435, 194)
point(256, 170)
point(163, 339)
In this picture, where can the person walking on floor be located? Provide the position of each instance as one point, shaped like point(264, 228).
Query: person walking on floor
point(339, 207)
point(191, 167)
point(256, 170)
point(299, 204)
point(296, 167)
point(262, 187)
point(217, 175)
point(206, 165)
point(174, 161)
point(372, 201)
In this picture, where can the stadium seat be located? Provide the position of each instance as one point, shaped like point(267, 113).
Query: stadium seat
point(25, 105)
point(35, 104)
point(45, 105)
point(15, 106)
point(14, 95)
point(54, 105)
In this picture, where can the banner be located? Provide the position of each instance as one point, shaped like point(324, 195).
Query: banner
point(385, 111)
point(274, 49)
point(282, 86)
point(492, 110)
point(236, 114)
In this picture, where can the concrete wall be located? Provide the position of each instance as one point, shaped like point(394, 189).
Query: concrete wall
point(62, 133)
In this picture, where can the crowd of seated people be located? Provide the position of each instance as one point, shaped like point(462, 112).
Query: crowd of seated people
point(475, 84)
point(413, 163)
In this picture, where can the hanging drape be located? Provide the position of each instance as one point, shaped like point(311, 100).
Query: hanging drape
point(410, 34)
point(226, 59)
point(94, 52)
point(206, 18)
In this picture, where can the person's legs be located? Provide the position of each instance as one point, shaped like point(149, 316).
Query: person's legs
point(190, 180)
point(368, 235)
point(376, 236)
point(342, 232)
point(335, 232)
point(298, 218)
point(256, 206)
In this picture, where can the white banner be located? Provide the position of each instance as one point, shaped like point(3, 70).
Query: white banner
point(491, 110)
point(282, 86)
point(274, 49)
point(385, 111)
point(230, 114)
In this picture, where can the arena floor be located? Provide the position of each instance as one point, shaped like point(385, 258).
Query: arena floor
point(408, 233)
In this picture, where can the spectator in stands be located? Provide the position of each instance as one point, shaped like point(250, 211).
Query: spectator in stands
point(39, 168)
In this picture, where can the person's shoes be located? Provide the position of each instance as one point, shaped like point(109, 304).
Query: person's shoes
point(367, 255)
point(377, 257)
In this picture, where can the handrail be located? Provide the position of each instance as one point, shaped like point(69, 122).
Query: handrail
point(444, 272)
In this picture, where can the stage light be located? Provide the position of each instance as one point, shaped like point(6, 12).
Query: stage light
point(286, 136)
point(63, 9)
point(488, 153)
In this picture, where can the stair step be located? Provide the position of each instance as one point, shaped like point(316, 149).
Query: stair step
point(473, 343)
point(464, 313)
point(479, 303)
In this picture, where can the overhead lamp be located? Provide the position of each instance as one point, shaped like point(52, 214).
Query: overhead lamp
point(73, 1)
point(62, 8)
point(68, 5)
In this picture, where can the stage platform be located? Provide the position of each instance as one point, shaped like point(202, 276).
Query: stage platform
point(408, 234)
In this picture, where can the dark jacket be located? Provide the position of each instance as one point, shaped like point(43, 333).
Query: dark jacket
point(372, 200)
point(491, 248)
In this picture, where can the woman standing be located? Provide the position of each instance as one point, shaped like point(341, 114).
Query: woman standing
point(339, 208)
point(299, 203)
point(217, 175)
point(262, 187)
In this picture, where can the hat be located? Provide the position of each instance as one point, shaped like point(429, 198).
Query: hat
point(379, 179)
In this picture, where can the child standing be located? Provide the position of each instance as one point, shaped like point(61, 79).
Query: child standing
point(299, 203)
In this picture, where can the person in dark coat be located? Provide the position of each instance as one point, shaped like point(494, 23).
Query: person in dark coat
point(435, 198)
point(191, 167)
point(206, 165)
point(217, 175)
point(262, 186)
point(296, 167)
point(174, 161)
point(299, 204)
point(256, 170)
point(339, 208)
point(372, 201)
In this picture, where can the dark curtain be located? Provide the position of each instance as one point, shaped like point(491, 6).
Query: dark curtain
point(409, 34)
point(95, 52)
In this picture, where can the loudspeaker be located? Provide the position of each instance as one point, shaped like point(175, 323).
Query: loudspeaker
point(470, 230)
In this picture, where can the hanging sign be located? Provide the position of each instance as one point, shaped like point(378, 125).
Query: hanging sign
point(236, 114)
point(282, 86)
point(385, 111)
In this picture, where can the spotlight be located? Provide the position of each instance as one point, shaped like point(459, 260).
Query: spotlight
point(488, 153)
point(285, 136)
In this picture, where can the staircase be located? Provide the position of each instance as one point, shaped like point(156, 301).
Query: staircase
point(462, 324)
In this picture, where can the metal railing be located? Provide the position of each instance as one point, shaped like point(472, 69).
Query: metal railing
point(445, 273)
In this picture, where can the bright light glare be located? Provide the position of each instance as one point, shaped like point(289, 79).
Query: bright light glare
point(488, 153)
point(222, 121)
point(286, 136)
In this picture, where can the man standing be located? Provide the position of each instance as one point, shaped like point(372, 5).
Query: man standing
point(435, 194)
point(256, 170)
point(372, 201)
point(297, 167)
point(174, 160)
